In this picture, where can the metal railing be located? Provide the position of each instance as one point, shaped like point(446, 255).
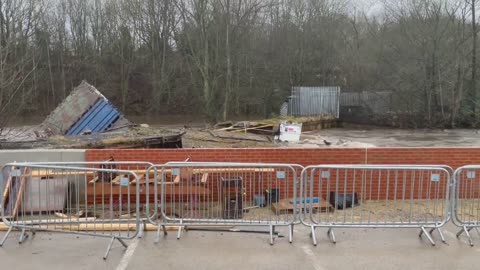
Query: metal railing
point(224, 194)
point(372, 196)
point(138, 167)
point(314, 101)
point(114, 199)
point(71, 199)
point(466, 200)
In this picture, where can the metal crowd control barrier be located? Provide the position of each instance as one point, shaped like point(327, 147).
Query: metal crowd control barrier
point(298, 170)
point(138, 167)
point(76, 200)
point(466, 200)
point(224, 194)
point(374, 196)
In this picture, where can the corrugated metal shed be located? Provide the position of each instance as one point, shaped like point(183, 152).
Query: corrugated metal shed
point(84, 109)
point(98, 119)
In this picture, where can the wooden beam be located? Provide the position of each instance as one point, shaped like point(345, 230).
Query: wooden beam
point(204, 178)
point(60, 215)
point(177, 179)
point(94, 180)
point(250, 128)
point(43, 173)
point(18, 202)
point(57, 220)
point(220, 170)
point(6, 192)
point(111, 227)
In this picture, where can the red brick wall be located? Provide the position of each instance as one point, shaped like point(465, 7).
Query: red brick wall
point(453, 157)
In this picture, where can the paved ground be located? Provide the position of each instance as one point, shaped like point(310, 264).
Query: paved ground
point(356, 249)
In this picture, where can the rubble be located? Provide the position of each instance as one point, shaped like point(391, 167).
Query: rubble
point(86, 119)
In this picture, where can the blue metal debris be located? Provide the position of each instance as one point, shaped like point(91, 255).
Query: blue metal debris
point(84, 109)
point(97, 119)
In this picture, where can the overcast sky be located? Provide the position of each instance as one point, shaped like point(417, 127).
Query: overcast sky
point(371, 7)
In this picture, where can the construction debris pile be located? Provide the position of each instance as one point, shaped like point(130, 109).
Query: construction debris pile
point(84, 111)
point(87, 119)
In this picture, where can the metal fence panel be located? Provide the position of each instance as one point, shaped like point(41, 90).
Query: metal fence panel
point(466, 200)
point(224, 194)
point(371, 196)
point(102, 202)
point(138, 167)
point(315, 101)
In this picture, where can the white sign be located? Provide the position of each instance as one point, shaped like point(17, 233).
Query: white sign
point(290, 132)
point(124, 181)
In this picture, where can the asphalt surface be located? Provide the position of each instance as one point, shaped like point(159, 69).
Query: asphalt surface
point(355, 249)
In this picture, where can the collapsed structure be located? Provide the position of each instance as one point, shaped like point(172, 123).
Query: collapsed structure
point(87, 119)
point(85, 110)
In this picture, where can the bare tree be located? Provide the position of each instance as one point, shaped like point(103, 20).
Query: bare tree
point(18, 20)
point(220, 58)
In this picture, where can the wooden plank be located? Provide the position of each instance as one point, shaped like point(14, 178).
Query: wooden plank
point(94, 180)
point(60, 215)
point(204, 178)
point(177, 179)
point(230, 170)
point(116, 180)
point(95, 192)
point(141, 179)
point(57, 220)
point(285, 207)
point(205, 172)
point(252, 128)
point(117, 190)
point(18, 202)
point(6, 192)
point(44, 173)
point(113, 227)
point(226, 128)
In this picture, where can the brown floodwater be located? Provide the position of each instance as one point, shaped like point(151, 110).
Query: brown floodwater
point(349, 136)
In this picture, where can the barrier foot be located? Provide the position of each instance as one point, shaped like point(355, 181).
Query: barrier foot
point(157, 238)
point(162, 227)
point(272, 229)
point(464, 229)
point(6, 236)
point(109, 248)
point(331, 235)
point(314, 237)
point(110, 245)
point(429, 237)
point(467, 233)
point(122, 242)
point(290, 233)
point(440, 233)
point(141, 230)
point(23, 236)
point(179, 233)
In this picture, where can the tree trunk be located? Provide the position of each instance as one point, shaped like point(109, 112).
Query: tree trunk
point(474, 63)
point(228, 79)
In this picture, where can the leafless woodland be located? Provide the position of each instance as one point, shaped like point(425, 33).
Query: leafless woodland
point(222, 58)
